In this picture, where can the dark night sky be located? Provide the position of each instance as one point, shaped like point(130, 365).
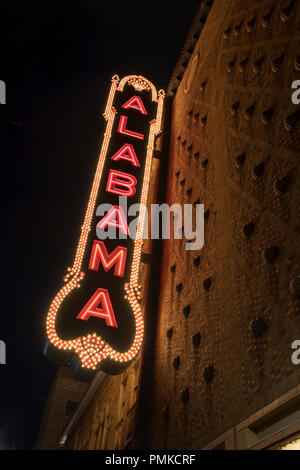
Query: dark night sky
point(57, 59)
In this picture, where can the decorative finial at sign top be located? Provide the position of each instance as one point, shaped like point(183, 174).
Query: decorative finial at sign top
point(115, 78)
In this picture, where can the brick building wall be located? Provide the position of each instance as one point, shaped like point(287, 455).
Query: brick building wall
point(227, 315)
point(64, 398)
point(109, 421)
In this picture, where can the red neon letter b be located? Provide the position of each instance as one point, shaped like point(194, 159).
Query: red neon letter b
point(121, 183)
point(116, 258)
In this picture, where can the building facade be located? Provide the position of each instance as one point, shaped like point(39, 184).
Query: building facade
point(64, 398)
point(216, 371)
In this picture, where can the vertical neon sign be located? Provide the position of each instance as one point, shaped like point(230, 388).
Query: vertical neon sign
point(102, 322)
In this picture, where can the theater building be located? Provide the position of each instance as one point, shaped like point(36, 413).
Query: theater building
point(216, 370)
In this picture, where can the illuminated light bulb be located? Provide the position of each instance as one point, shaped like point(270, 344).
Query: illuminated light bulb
point(75, 274)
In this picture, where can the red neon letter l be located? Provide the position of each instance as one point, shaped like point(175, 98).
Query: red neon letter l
point(122, 129)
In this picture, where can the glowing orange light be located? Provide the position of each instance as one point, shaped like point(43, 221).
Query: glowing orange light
point(117, 180)
point(122, 129)
point(91, 348)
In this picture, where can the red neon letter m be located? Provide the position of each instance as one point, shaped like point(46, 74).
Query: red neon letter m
point(116, 258)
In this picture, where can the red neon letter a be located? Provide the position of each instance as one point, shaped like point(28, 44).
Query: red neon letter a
point(118, 180)
point(122, 129)
point(116, 218)
point(91, 309)
point(117, 258)
point(126, 152)
point(135, 102)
